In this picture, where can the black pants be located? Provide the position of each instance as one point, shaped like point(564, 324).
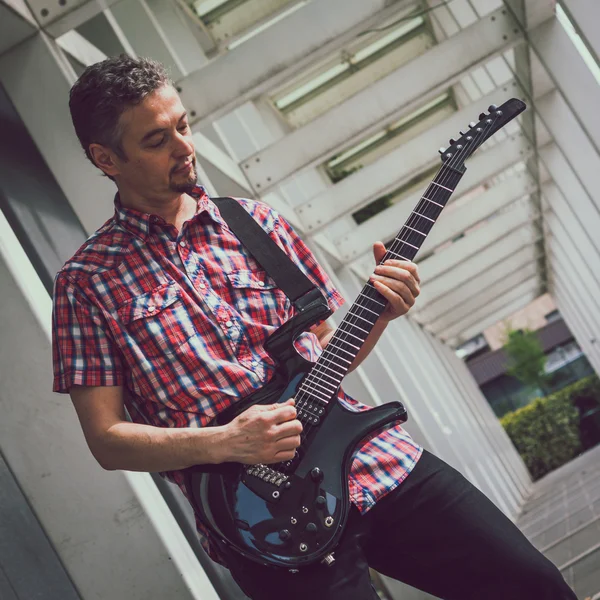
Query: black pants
point(436, 532)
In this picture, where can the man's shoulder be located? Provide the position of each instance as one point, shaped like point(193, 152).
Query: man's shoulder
point(102, 251)
point(265, 215)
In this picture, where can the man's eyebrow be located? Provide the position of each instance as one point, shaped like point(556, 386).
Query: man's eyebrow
point(160, 129)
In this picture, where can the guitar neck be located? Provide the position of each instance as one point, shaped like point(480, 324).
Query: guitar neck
point(342, 349)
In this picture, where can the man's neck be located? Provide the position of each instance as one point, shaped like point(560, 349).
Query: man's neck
point(176, 210)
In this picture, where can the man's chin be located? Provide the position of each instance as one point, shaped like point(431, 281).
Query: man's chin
point(187, 186)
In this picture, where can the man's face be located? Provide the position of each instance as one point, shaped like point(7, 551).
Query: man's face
point(157, 142)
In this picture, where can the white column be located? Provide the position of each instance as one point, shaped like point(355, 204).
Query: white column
point(112, 531)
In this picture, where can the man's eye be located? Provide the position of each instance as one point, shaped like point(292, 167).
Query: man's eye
point(158, 144)
point(184, 128)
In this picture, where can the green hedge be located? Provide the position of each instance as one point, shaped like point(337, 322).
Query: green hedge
point(546, 431)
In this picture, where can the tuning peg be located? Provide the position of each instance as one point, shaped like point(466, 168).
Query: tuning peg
point(482, 116)
point(461, 132)
point(472, 124)
point(452, 141)
point(492, 108)
point(442, 150)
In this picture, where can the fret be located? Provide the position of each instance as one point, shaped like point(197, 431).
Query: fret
point(370, 285)
point(416, 230)
point(313, 382)
point(405, 242)
point(361, 340)
point(324, 357)
point(368, 309)
point(311, 391)
point(399, 255)
point(359, 317)
point(442, 186)
point(355, 325)
point(420, 215)
point(433, 202)
point(331, 344)
point(324, 374)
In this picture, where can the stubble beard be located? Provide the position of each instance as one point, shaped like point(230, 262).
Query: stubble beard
point(186, 187)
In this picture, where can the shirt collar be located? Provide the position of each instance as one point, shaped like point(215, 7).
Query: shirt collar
point(139, 223)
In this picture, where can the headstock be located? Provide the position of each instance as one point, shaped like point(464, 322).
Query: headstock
point(478, 132)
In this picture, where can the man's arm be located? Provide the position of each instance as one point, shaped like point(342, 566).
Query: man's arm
point(262, 434)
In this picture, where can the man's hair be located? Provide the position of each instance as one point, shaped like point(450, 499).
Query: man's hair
point(104, 91)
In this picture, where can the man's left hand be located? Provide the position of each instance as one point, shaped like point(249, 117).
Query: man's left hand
point(397, 281)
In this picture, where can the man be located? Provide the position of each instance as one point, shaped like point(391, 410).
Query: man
point(162, 311)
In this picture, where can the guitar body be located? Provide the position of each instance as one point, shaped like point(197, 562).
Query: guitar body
point(292, 518)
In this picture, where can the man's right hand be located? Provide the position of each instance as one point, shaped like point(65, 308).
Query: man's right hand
point(263, 434)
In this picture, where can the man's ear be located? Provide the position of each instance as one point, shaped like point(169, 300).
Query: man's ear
point(104, 159)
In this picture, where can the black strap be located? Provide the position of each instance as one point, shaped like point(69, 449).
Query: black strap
point(279, 266)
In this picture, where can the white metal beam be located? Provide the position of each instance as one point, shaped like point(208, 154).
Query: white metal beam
point(392, 169)
point(16, 25)
point(48, 69)
point(497, 305)
point(386, 100)
point(575, 222)
point(570, 74)
point(454, 222)
point(278, 53)
point(497, 245)
point(483, 298)
point(585, 16)
point(427, 309)
point(58, 18)
point(490, 318)
point(386, 224)
point(574, 143)
point(213, 154)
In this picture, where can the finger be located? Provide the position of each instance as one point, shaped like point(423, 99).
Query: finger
point(281, 414)
point(402, 264)
point(289, 443)
point(287, 429)
point(398, 303)
point(378, 251)
point(408, 291)
point(399, 270)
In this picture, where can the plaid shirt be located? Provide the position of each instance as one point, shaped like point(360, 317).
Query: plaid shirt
point(180, 318)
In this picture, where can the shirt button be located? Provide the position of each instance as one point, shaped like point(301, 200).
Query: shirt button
point(229, 323)
point(151, 308)
point(202, 286)
point(255, 363)
point(261, 283)
point(182, 243)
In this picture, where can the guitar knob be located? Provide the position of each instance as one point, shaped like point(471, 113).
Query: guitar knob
point(284, 535)
point(482, 116)
point(492, 108)
point(452, 141)
point(316, 474)
point(320, 501)
point(311, 528)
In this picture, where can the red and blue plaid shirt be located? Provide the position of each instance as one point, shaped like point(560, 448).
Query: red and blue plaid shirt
point(180, 319)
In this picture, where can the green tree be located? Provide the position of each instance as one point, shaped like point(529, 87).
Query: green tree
point(526, 358)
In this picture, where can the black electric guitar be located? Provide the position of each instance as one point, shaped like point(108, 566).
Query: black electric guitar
point(292, 514)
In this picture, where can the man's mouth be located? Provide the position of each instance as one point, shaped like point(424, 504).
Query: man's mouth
point(184, 168)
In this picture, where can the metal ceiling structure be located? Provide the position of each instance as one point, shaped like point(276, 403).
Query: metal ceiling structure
point(332, 112)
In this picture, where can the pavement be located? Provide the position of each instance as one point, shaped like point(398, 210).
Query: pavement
point(562, 519)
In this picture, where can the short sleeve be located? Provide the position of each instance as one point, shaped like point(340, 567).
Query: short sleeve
point(82, 351)
point(297, 250)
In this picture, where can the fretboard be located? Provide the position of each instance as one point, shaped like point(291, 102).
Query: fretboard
point(333, 364)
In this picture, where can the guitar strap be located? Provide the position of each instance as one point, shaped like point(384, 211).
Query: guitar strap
point(278, 265)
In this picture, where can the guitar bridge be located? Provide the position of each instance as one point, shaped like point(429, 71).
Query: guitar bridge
point(267, 474)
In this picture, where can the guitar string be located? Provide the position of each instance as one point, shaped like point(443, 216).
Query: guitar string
point(307, 396)
point(313, 378)
point(447, 169)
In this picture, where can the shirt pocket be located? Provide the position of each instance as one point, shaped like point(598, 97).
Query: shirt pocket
point(255, 296)
point(157, 323)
